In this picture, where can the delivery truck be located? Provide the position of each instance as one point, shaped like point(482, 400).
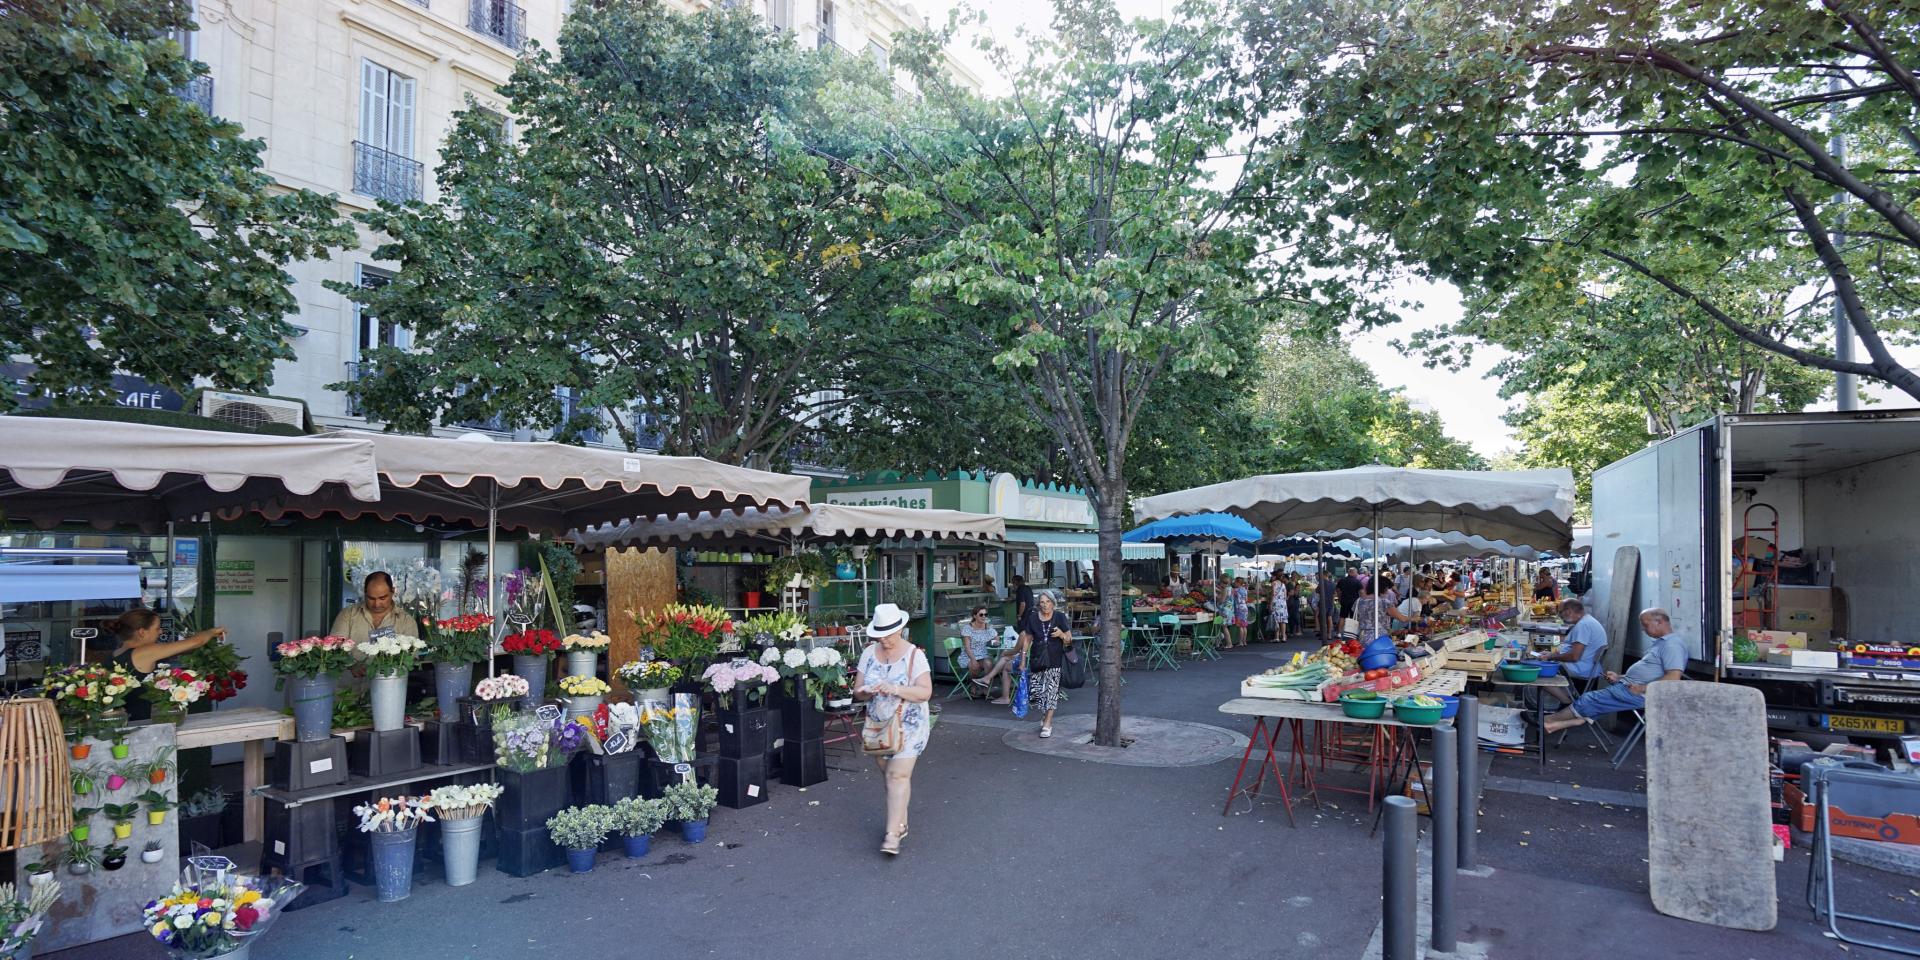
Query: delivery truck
point(1787, 549)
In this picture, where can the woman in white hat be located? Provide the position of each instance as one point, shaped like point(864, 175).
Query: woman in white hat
point(894, 677)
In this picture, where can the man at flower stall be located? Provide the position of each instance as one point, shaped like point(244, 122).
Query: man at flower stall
point(375, 613)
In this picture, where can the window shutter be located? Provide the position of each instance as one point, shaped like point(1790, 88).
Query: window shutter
point(373, 104)
point(400, 127)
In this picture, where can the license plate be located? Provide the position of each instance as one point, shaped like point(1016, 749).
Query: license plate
point(1837, 721)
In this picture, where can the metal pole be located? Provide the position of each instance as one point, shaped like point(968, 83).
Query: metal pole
point(1468, 755)
point(493, 579)
point(1443, 797)
point(1846, 388)
point(1399, 904)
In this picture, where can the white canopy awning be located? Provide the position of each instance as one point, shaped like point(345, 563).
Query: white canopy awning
point(817, 523)
point(1521, 507)
point(1447, 546)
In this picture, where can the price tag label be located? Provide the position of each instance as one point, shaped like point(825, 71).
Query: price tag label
point(753, 789)
point(321, 765)
point(739, 662)
point(548, 713)
point(519, 620)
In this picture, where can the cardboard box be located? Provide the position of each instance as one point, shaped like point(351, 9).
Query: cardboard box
point(1804, 609)
point(1826, 659)
point(1769, 639)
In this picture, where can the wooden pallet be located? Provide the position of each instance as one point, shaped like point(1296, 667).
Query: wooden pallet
point(1473, 664)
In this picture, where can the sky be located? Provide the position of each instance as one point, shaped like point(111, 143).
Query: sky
point(1467, 401)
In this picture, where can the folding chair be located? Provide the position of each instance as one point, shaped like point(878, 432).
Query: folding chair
point(1205, 637)
point(955, 652)
point(1136, 641)
point(1631, 740)
point(1580, 688)
point(1160, 645)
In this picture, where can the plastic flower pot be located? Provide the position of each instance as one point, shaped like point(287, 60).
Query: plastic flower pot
point(156, 817)
point(392, 855)
point(114, 863)
point(156, 776)
point(152, 856)
point(79, 869)
point(637, 847)
point(693, 831)
point(80, 750)
point(312, 702)
point(451, 681)
point(114, 782)
point(582, 663)
point(460, 849)
point(80, 832)
point(581, 861)
point(120, 751)
point(121, 831)
point(389, 694)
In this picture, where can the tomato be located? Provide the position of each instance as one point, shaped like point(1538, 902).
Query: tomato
point(1373, 674)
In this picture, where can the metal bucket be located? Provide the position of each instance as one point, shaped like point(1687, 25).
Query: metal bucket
point(392, 854)
point(582, 663)
point(451, 681)
point(389, 694)
point(312, 702)
point(460, 848)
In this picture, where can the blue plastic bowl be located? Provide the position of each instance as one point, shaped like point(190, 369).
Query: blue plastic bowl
point(1548, 668)
point(1452, 705)
point(1378, 661)
point(1380, 644)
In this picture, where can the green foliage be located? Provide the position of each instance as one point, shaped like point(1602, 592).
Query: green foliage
point(581, 828)
point(1580, 429)
point(137, 233)
point(688, 801)
point(638, 817)
point(560, 569)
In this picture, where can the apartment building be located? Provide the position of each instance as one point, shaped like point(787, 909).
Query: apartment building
point(354, 98)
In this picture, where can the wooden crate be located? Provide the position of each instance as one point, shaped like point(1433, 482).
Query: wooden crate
point(1438, 683)
point(1474, 664)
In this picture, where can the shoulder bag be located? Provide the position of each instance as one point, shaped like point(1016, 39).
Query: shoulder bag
point(883, 737)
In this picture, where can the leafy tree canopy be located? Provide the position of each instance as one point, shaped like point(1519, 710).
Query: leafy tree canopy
point(137, 233)
point(1579, 429)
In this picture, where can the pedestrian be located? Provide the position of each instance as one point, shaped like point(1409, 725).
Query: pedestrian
point(1279, 609)
point(895, 680)
point(1045, 635)
point(1348, 591)
point(1022, 597)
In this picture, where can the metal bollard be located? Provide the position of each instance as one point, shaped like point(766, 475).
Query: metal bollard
point(1399, 904)
point(1443, 800)
point(1468, 720)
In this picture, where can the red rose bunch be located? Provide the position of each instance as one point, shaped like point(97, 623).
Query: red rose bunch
point(531, 643)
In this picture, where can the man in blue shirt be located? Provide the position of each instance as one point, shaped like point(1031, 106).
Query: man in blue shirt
point(1581, 648)
point(1666, 659)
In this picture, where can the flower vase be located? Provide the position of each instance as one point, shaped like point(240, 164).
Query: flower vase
point(460, 849)
point(451, 681)
point(582, 663)
point(312, 702)
point(168, 714)
point(584, 706)
point(392, 855)
point(659, 694)
point(534, 671)
point(389, 694)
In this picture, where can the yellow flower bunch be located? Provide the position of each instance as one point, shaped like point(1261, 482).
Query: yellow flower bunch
point(584, 686)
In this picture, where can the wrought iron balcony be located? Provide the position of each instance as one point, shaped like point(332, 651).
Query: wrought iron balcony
point(385, 174)
point(199, 92)
point(503, 22)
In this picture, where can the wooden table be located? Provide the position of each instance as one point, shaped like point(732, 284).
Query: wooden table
point(251, 727)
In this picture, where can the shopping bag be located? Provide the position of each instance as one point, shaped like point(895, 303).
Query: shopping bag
point(1073, 673)
point(1020, 690)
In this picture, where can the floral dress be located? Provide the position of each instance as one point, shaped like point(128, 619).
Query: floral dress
point(914, 724)
point(1237, 603)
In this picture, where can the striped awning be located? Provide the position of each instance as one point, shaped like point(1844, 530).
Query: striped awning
point(1061, 545)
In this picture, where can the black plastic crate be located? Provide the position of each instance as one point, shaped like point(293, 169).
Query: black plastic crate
point(299, 833)
point(306, 765)
point(524, 853)
point(325, 880)
point(803, 763)
point(384, 753)
point(605, 778)
point(530, 798)
point(744, 732)
point(742, 781)
point(799, 720)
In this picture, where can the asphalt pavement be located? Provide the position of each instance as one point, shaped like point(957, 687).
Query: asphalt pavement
point(1019, 854)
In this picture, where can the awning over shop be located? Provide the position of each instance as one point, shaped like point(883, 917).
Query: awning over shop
point(821, 522)
point(44, 583)
point(1061, 545)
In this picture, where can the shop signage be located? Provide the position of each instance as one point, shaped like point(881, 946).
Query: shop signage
point(915, 498)
point(186, 551)
point(233, 578)
point(1008, 499)
point(134, 392)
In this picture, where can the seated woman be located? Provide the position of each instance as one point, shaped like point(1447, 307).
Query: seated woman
point(975, 635)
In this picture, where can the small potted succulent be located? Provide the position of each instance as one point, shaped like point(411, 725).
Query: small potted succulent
point(122, 815)
point(157, 806)
point(39, 873)
point(688, 804)
point(153, 852)
point(80, 857)
point(81, 828)
point(113, 857)
point(579, 830)
point(636, 819)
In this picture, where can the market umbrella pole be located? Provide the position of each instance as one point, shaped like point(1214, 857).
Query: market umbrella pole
point(493, 580)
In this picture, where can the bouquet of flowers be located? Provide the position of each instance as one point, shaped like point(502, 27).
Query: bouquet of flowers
point(584, 686)
point(20, 919)
point(311, 657)
point(595, 641)
point(531, 643)
point(391, 654)
point(82, 693)
point(210, 917)
point(506, 686)
point(394, 814)
point(769, 629)
point(672, 731)
point(462, 639)
point(750, 678)
point(219, 664)
point(458, 802)
point(648, 674)
point(569, 737)
point(520, 741)
point(683, 634)
point(823, 666)
point(173, 689)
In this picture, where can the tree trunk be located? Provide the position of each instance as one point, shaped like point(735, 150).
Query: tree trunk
point(1107, 580)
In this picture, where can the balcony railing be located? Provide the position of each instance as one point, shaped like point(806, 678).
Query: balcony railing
point(199, 92)
point(385, 174)
point(505, 23)
point(355, 369)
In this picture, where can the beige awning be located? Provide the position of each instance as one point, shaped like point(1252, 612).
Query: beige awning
point(551, 488)
point(104, 472)
point(819, 523)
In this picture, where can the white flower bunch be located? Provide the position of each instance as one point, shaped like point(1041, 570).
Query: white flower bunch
point(391, 644)
point(822, 657)
point(794, 633)
point(592, 641)
point(464, 801)
point(794, 658)
point(770, 657)
point(506, 686)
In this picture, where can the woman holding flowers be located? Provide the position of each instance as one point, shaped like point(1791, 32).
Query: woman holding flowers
point(140, 649)
point(894, 677)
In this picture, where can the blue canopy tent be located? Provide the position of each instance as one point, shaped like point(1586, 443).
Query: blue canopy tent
point(1202, 531)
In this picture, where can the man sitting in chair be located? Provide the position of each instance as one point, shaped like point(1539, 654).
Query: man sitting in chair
point(1581, 649)
point(1666, 659)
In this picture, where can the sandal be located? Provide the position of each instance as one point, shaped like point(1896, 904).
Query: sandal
point(1046, 732)
point(890, 846)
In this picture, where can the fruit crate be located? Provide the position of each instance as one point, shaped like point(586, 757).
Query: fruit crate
point(1475, 664)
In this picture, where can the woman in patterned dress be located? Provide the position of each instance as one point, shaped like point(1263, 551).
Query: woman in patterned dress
point(894, 677)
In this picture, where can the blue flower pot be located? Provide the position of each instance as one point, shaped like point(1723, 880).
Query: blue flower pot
point(637, 847)
point(846, 571)
point(580, 861)
point(693, 831)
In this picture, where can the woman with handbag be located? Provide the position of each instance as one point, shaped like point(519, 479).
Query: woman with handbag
point(896, 683)
point(1045, 635)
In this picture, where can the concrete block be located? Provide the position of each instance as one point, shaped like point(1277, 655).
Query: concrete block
point(1709, 826)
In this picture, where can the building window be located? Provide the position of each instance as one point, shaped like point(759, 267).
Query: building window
point(780, 14)
point(383, 164)
point(374, 332)
point(825, 24)
point(503, 22)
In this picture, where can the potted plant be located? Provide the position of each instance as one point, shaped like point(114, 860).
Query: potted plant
point(843, 565)
point(80, 857)
point(84, 695)
point(157, 806)
point(113, 857)
point(579, 830)
point(154, 771)
point(200, 819)
point(20, 919)
point(121, 815)
point(750, 591)
point(39, 873)
point(636, 819)
point(531, 649)
point(81, 828)
point(391, 825)
point(804, 568)
point(462, 809)
point(689, 803)
point(119, 747)
point(389, 658)
point(126, 773)
point(687, 636)
point(153, 852)
point(219, 664)
point(748, 679)
point(583, 652)
point(584, 694)
point(81, 780)
point(649, 679)
point(308, 668)
point(172, 690)
point(456, 644)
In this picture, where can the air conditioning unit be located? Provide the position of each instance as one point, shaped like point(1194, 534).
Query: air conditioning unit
point(247, 410)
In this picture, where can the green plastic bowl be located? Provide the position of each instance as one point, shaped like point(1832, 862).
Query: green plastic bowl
point(1520, 672)
point(1406, 712)
point(1363, 709)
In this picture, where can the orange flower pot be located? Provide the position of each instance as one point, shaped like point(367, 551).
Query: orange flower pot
point(80, 750)
point(156, 776)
